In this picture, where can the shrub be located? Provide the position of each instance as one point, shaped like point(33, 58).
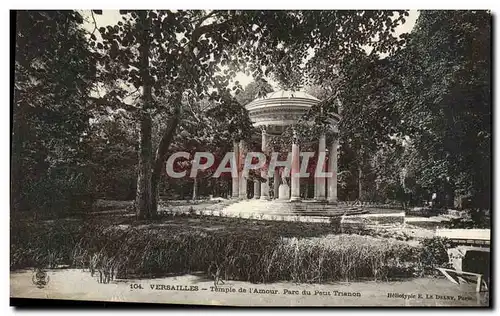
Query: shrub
point(62, 189)
point(191, 211)
point(475, 219)
point(344, 257)
point(37, 244)
point(434, 253)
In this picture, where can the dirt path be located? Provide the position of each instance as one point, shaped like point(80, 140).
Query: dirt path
point(190, 289)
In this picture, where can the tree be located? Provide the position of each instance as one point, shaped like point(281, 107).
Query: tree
point(54, 75)
point(445, 101)
point(210, 126)
point(180, 54)
point(112, 150)
point(154, 58)
point(369, 119)
point(357, 80)
point(386, 166)
point(254, 90)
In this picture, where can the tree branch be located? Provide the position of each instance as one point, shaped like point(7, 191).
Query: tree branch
point(192, 111)
point(199, 31)
point(95, 23)
point(204, 18)
point(129, 94)
point(166, 139)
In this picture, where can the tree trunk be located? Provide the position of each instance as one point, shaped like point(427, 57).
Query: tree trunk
point(16, 178)
point(195, 189)
point(360, 183)
point(143, 194)
point(161, 153)
point(19, 128)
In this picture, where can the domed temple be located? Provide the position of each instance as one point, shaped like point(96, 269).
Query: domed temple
point(272, 114)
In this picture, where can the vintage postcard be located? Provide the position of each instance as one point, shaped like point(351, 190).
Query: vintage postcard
point(252, 158)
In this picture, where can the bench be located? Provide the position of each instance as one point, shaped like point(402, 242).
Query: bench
point(461, 277)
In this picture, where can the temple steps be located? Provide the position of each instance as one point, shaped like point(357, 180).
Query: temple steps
point(276, 210)
point(286, 208)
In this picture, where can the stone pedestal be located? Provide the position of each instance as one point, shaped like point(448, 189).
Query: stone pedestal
point(284, 192)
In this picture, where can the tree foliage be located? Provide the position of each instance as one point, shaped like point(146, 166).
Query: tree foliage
point(254, 90)
point(430, 92)
point(356, 81)
point(445, 101)
point(54, 74)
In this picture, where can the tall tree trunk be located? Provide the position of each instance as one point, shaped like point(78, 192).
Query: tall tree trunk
point(18, 125)
point(18, 128)
point(360, 172)
point(143, 194)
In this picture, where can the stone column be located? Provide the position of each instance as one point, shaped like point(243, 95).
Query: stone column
point(319, 182)
point(332, 167)
point(235, 181)
point(276, 186)
point(264, 186)
point(295, 171)
point(243, 180)
point(256, 189)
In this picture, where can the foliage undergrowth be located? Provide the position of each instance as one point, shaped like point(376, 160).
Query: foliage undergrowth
point(475, 218)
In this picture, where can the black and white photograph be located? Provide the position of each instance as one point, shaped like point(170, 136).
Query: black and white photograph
point(251, 158)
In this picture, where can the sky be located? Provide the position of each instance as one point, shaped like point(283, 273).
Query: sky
point(111, 17)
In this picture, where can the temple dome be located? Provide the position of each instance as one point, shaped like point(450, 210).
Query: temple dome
point(283, 98)
point(279, 109)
